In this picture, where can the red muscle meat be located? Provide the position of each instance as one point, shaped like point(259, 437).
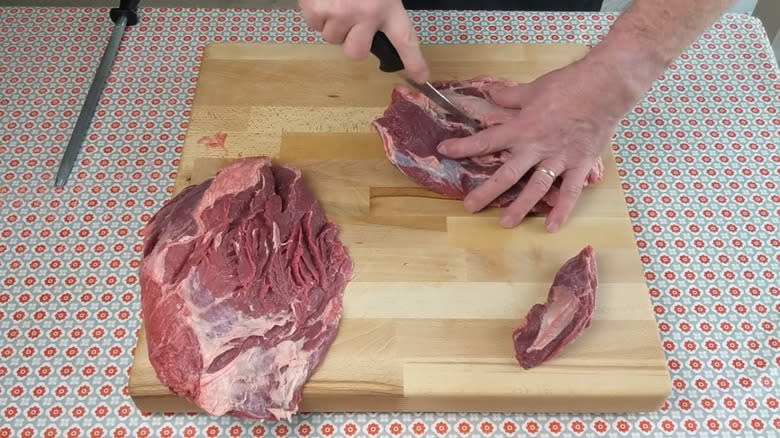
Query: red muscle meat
point(412, 126)
point(242, 279)
point(548, 328)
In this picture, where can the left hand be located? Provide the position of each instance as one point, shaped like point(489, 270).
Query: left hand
point(566, 120)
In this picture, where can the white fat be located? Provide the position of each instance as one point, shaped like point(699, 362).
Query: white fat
point(224, 185)
point(276, 236)
point(251, 372)
point(290, 354)
point(212, 344)
point(559, 314)
point(156, 265)
point(281, 414)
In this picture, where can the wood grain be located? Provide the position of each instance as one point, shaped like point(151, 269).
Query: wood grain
point(437, 291)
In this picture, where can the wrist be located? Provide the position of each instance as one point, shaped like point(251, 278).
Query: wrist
point(629, 60)
point(611, 87)
point(622, 72)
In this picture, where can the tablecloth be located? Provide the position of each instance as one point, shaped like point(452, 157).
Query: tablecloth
point(698, 157)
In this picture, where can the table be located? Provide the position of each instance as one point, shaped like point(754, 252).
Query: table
point(698, 156)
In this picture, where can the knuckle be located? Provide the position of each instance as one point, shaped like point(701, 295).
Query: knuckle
point(402, 34)
point(479, 148)
point(571, 190)
point(508, 174)
point(540, 184)
point(333, 32)
point(367, 9)
point(409, 36)
point(483, 144)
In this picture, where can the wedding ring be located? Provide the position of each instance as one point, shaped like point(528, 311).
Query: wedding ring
point(547, 171)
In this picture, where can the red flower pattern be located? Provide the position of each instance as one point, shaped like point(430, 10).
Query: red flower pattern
point(510, 427)
point(396, 428)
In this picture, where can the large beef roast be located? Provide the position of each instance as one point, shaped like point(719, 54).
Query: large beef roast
point(548, 328)
point(242, 280)
point(412, 126)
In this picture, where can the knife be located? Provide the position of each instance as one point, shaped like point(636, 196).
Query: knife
point(390, 62)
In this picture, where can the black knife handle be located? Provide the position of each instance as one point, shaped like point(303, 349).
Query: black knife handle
point(127, 8)
point(382, 48)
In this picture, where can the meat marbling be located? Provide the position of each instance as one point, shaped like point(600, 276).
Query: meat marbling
point(412, 126)
point(548, 328)
point(242, 279)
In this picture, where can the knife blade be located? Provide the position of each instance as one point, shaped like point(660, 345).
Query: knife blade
point(390, 62)
point(439, 99)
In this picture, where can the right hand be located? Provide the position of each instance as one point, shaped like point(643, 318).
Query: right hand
point(353, 23)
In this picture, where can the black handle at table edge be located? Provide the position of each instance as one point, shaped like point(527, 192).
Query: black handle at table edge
point(127, 8)
point(382, 48)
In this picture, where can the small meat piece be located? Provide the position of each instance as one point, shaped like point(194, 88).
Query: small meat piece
point(242, 279)
point(549, 327)
point(412, 126)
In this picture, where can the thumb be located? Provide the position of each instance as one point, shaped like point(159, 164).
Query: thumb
point(513, 96)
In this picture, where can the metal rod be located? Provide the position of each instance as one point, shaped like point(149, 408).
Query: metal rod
point(90, 104)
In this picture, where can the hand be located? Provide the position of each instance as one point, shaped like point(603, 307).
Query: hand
point(353, 23)
point(567, 117)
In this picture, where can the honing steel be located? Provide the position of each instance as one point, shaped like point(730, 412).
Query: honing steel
point(123, 16)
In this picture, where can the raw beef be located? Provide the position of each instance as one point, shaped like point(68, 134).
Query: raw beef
point(412, 126)
point(242, 280)
point(548, 328)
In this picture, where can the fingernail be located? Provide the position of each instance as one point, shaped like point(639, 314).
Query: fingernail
point(443, 148)
point(552, 227)
point(506, 222)
point(470, 205)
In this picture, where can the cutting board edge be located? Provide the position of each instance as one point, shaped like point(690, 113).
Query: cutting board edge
point(617, 405)
point(161, 399)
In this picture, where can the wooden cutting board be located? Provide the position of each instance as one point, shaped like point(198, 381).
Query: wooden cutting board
point(428, 319)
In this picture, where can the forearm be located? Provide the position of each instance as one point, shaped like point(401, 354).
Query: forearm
point(645, 39)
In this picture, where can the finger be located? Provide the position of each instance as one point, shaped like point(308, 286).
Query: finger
point(313, 18)
point(484, 142)
point(569, 193)
point(335, 31)
point(510, 97)
point(536, 187)
point(400, 32)
point(505, 177)
point(358, 41)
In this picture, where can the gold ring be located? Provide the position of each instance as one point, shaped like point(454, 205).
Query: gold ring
point(547, 171)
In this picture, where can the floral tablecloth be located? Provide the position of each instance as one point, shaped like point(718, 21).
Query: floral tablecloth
point(698, 156)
